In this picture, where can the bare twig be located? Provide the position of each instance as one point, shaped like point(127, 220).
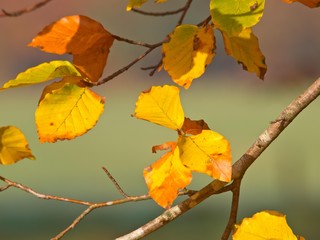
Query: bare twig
point(25, 10)
point(158, 14)
point(135, 42)
point(115, 183)
point(234, 209)
point(238, 169)
point(184, 12)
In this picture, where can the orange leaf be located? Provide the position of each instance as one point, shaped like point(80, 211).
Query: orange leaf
point(208, 152)
point(13, 146)
point(264, 225)
point(166, 176)
point(194, 127)
point(164, 146)
point(81, 36)
point(309, 3)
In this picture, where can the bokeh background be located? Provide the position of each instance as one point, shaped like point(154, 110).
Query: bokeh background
point(233, 102)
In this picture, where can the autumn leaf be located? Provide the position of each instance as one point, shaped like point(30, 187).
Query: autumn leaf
point(67, 110)
point(41, 73)
point(13, 146)
point(264, 225)
point(194, 127)
point(161, 105)
point(135, 4)
point(309, 3)
point(233, 16)
point(188, 52)
point(81, 36)
point(245, 49)
point(207, 152)
point(165, 177)
point(164, 146)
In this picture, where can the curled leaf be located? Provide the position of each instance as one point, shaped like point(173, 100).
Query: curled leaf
point(245, 49)
point(194, 127)
point(188, 52)
point(13, 146)
point(309, 3)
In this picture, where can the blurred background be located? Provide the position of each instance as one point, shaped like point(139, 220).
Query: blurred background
point(233, 102)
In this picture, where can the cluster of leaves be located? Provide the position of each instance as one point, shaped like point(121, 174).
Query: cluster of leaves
point(68, 108)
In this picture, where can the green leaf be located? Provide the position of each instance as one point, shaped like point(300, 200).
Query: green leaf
point(232, 16)
point(13, 146)
point(42, 73)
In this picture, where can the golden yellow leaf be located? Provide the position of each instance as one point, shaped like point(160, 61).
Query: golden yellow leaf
point(264, 225)
point(188, 52)
point(67, 110)
point(245, 49)
point(166, 176)
point(135, 4)
point(161, 105)
point(309, 3)
point(207, 152)
point(13, 146)
point(81, 36)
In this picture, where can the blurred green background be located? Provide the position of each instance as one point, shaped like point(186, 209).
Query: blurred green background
point(234, 103)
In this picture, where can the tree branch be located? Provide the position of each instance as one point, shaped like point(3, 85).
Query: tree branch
point(25, 10)
point(239, 167)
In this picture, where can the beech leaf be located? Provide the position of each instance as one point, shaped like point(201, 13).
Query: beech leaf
point(166, 177)
point(233, 16)
point(194, 127)
point(66, 111)
point(188, 52)
point(264, 225)
point(207, 152)
point(245, 49)
point(13, 146)
point(161, 105)
point(42, 73)
point(135, 4)
point(309, 3)
point(81, 36)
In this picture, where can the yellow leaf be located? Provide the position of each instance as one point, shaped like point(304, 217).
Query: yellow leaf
point(245, 49)
point(264, 225)
point(309, 3)
point(166, 176)
point(233, 16)
point(135, 4)
point(81, 36)
point(161, 105)
point(43, 72)
point(188, 52)
point(13, 146)
point(208, 152)
point(66, 111)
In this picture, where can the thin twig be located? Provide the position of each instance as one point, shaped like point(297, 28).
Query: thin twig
point(158, 14)
point(115, 74)
point(185, 10)
point(25, 10)
point(135, 42)
point(204, 22)
point(238, 169)
point(234, 209)
point(115, 183)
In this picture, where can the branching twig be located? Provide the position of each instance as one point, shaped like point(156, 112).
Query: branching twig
point(158, 14)
point(184, 12)
point(238, 168)
point(25, 10)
